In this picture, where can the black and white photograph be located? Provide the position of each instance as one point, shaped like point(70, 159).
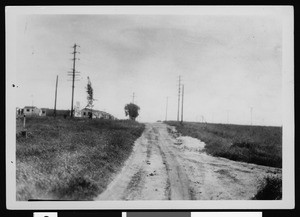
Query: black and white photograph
point(150, 107)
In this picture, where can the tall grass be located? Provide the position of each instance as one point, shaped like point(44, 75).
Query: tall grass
point(253, 144)
point(71, 159)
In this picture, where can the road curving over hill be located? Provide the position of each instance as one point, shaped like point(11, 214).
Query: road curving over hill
point(164, 167)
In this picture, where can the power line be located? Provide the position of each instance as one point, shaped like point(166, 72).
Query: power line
point(178, 98)
point(73, 74)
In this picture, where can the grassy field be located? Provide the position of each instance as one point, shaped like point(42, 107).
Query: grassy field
point(71, 159)
point(253, 144)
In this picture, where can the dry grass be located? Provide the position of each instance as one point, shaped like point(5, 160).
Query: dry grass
point(253, 144)
point(71, 159)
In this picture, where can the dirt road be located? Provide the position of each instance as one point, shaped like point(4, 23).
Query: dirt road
point(163, 167)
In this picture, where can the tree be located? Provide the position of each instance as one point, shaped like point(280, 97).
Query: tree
point(90, 97)
point(132, 110)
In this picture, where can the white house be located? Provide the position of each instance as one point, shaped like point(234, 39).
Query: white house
point(31, 111)
point(86, 113)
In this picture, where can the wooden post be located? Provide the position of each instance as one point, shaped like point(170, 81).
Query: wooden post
point(24, 131)
point(24, 121)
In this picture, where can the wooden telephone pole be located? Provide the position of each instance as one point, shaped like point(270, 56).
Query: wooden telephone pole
point(178, 98)
point(182, 104)
point(73, 74)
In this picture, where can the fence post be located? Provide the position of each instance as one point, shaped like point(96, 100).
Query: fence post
point(24, 132)
point(24, 121)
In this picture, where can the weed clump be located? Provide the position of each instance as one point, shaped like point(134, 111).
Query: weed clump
point(77, 188)
point(270, 189)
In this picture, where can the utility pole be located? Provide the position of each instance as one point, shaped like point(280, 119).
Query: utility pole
point(182, 103)
point(73, 74)
point(55, 97)
point(167, 109)
point(178, 98)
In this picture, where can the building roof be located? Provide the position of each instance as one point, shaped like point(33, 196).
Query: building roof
point(96, 111)
point(31, 107)
point(87, 109)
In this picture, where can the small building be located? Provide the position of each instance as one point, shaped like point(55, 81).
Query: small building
point(19, 111)
point(31, 111)
point(43, 112)
point(86, 113)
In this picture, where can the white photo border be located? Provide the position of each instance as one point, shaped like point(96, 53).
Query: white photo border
point(284, 13)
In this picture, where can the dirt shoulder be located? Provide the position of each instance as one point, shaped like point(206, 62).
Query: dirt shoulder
point(164, 167)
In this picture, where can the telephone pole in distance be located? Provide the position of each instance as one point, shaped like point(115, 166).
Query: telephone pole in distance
point(55, 97)
point(178, 97)
point(182, 103)
point(73, 74)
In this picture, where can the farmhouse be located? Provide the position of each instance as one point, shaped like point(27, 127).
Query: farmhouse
point(31, 111)
point(86, 113)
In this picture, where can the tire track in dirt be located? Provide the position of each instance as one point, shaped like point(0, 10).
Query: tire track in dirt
point(161, 168)
point(152, 172)
point(168, 183)
point(135, 186)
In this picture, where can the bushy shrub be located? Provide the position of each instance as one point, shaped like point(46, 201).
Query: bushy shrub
point(270, 189)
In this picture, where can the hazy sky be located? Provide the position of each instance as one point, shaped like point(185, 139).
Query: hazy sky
point(228, 64)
